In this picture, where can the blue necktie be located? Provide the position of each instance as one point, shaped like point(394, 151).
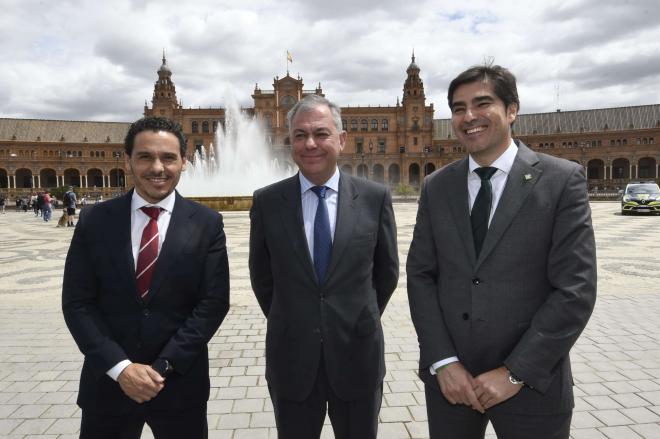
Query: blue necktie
point(322, 238)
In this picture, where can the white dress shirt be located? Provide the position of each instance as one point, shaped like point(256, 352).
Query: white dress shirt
point(503, 163)
point(139, 221)
point(310, 202)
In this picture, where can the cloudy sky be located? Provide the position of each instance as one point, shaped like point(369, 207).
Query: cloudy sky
point(97, 59)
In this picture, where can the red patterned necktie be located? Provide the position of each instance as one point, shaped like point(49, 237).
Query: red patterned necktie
point(148, 253)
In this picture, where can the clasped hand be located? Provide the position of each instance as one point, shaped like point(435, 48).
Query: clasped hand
point(481, 393)
point(140, 382)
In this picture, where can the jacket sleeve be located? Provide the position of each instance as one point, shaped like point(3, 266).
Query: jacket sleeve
point(435, 343)
point(261, 276)
point(81, 314)
point(185, 345)
point(386, 254)
point(571, 271)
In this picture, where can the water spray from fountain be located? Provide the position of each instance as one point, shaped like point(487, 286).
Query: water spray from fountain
point(239, 161)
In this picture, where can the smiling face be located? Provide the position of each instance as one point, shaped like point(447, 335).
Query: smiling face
point(156, 164)
point(481, 121)
point(316, 143)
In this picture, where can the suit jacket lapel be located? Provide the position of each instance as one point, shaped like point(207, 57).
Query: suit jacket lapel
point(347, 213)
point(118, 238)
point(292, 221)
point(176, 238)
point(519, 185)
point(460, 207)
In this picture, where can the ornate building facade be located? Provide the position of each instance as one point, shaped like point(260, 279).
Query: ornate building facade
point(391, 144)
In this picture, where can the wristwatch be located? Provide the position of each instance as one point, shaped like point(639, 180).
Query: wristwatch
point(163, 367)
point(515, 380)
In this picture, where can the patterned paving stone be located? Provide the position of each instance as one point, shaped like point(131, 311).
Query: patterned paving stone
point(616, 360)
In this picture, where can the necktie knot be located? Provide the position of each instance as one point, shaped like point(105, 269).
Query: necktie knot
point(319, 191)
point(485, 172)
point(152, 212)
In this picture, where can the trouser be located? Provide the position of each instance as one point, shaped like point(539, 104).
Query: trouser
point(447, 421)
point(189, 424)
point(356, 419)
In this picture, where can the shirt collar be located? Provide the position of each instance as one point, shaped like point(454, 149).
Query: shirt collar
point(504, 162)
point(332, 183)
point(166, 203)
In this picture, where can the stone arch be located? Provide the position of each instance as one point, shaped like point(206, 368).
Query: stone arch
point(23, 178)
point(71, 177)
point(378, 173)
point(595, 169)
point(3, 178)
point(428, 168)
point(394, 174)
point(620, 168)
point(95, 178)
point(48, 178)
point(348, 169)
point(413, 175)
point(117, 177)
point(362, 171)
point(646, 167)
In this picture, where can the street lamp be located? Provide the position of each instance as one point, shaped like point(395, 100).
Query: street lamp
point(371, 150)
point(116, 154)
point(362, 159)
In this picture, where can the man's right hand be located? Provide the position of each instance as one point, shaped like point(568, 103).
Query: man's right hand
point(457, 385)
point(140, 382)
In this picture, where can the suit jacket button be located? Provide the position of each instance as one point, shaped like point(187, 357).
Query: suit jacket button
point(146, 312)
point(476, 281)
point(466, 316)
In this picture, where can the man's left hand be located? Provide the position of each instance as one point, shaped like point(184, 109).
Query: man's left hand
point(494, 387)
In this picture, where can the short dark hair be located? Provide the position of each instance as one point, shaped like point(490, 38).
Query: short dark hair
point(504, 83)
point(155, 124)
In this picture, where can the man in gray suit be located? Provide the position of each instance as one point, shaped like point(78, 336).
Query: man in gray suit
point(501, 274)
point(323, 265)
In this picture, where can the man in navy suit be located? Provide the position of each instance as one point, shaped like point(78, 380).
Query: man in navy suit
point(146, 285)
point(323, 265)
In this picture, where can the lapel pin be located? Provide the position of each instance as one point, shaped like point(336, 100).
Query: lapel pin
point(527, 177)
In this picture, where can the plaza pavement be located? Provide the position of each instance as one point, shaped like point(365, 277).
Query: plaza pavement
point(616, 361)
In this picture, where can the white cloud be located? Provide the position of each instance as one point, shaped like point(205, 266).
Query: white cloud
point(97, 60)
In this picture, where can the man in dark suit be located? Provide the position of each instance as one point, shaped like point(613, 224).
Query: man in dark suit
point(323, 265)
point(146, 285)
point(501, 274)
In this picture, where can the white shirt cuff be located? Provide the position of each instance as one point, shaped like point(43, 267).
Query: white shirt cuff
point(118, 369)
point(441, 363)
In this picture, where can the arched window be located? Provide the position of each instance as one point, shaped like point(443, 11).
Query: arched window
point(195, 127)
point(365, 125)
point(353, 124)
point(344, 125)
point(205, 126)
point(384, 125)
point(374, 125)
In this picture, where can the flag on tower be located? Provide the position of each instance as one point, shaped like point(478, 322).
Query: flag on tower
point(289, 58)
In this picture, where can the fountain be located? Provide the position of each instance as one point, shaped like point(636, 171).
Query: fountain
point(238, 162)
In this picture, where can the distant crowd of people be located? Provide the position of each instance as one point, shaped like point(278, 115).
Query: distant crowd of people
point(42, 204)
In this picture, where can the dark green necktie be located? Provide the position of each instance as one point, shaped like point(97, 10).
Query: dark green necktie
point(481, 208)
